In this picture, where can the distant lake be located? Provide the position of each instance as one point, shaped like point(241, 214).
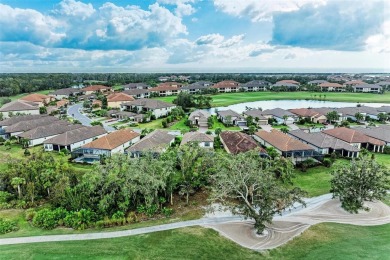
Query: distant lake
point(289, 104)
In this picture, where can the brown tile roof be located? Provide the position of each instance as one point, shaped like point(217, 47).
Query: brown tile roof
point(196, 137)
point(352, 136)
point(282, 141)
point(62, 103)
point(226, 84)
point(76, 135)
point(170, 84)
point(380, 132)
point(330, 85)
point(112, 140)
point(117, 97)
point(97, 102)
point(35, 97)
point(19, 105)
point(305, 112)
point(96, 88)
point(289, 81)
point(255, 113)
point(237, 142)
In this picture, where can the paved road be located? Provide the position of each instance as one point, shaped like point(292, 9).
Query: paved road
point(74, 111)
point(211, 219)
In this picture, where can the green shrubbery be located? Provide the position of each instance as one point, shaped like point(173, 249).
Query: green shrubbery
point(7, 226)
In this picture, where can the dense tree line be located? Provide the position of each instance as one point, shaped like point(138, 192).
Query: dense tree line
point(144, 185)
point(13, 84)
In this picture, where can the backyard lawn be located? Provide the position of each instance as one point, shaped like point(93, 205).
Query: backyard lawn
point(226, 99)
point(322, 241)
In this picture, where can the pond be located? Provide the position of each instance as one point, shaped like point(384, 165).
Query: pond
point(289, 104)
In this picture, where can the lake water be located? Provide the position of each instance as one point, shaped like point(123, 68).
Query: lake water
point(289, 104)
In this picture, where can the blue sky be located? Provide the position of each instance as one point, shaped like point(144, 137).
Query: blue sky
point(194, 35)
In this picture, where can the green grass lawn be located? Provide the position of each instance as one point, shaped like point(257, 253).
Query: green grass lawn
point(181, 125)
point(226, 99)
point(315, 181)
point(322, 241)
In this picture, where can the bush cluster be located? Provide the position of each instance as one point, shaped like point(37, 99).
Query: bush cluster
point(7, 226)
point(50, 219)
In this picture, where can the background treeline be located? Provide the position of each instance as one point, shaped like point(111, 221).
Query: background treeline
point(13, 84)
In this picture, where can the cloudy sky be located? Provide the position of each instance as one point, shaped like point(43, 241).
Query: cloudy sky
point(194, 35)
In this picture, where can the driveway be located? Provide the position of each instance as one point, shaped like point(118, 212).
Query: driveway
point(74, 111)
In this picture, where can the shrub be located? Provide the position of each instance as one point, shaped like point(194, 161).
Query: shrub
point(167, 211)
point(7, 226)
point(208, 132)
point(5, 196)
point(118, 215)
point(99, 224)
point(132, 217)
point(45, 219)
point(64, 151)
point(164, 123)
point(27, 152)
point(327, 162)
point(386, 150)
point(82, 219)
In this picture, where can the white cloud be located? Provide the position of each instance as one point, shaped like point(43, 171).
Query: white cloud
point(236, 39)
point(28, 25)
point(75, 8)
point(184, 9)
point(380, 42)
point(214, 38)
point(80, 26)
point(259, 10)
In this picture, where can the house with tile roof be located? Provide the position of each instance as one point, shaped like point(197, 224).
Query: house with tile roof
point(236, 142)
point(356, 138)
point(230, 117)
point(202, 139)
point(24, 126)
point(257, 116)
point(352, 83)
point(157, 107)
point(325, 144)
point(197, 87)
point(65, 93)
point(226, 86)
point(167, 89)
point(255, 85)
point(138, 85)
point(316, 82)
point(199, 118)
point(96, 88)
point(74, 139)
point(280, 115)
point(16, 119)
point(327, 86)
point(107, 145)
point(284, 144)
point(309, 114)
point(38, 135)
point(115, 100)
point(19, 107)
point(138, 93)
point(381, 132)
point(39, 99)
point(156, 142)
point(367, 88)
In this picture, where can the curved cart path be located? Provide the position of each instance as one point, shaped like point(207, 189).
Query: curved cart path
point(284, 228)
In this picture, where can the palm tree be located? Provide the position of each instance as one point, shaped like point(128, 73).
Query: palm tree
point(359, 116)
point(285, 118)
point(284, 130)
point(16, 182)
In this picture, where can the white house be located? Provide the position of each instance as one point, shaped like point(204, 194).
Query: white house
point(19, 107)
point(203, 140)
point(156, 107)
point(74, 139)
